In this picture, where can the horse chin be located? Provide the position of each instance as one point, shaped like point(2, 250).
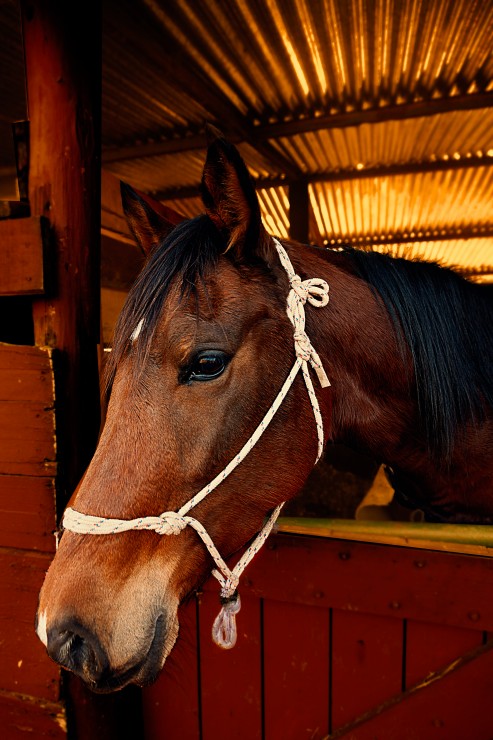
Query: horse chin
point(145, 671)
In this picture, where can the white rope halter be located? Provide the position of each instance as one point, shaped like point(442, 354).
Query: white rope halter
point(316, 292)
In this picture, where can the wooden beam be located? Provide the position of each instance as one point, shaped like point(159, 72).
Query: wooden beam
point(478, 231)
point(21, 256)
point(405, 168)
point(63, 74)
point(165, 143)
point(400, 112)
point(299, 210)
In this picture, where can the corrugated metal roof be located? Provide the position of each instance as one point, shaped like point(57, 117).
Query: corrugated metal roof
point(304, 88)
point(423, 203)
point(431, 138)
point(273, 60)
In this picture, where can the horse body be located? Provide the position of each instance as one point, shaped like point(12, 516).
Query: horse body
point(201, 349)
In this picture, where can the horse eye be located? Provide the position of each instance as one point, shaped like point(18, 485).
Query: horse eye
point(206, 365)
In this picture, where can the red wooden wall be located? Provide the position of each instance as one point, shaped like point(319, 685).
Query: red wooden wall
point(351, 639)
point(29, 681)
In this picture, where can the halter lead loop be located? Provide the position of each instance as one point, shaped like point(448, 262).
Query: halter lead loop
point(316, 292)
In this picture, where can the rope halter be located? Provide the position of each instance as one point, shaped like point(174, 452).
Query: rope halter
point(316, 292)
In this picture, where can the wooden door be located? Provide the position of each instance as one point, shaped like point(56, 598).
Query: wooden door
point(339, 640)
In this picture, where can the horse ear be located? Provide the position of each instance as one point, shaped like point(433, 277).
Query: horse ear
point(230, 199)
point(148, 219)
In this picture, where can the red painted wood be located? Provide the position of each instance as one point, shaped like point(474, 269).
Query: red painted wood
point(431, 646)
point(231, 679)
point(24, 665)
point(457, 707)
point(366, 663)
point(441, 588)
point(24, 717)
point(27, 512)
point(296, 671)
point(171, 705)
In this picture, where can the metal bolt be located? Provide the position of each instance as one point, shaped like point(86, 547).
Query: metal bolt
point(344, 555)
point(474, 616)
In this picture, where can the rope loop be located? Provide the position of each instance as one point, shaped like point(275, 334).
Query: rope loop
point(224, 631)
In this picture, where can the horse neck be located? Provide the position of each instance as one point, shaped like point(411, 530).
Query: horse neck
point(374, 406)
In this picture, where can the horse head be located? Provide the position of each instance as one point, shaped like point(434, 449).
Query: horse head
point(201, 350)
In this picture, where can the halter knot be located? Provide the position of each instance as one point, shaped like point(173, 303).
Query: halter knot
point(299, 288)
point(171, 523)
point(303, 347)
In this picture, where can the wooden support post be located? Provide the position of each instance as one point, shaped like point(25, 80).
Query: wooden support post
point(299, 209)
point(63, 71)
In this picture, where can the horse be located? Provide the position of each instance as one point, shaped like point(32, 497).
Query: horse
point(202, 349)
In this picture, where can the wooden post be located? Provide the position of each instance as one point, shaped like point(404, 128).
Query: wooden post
point(299, 209)
point(63, 70)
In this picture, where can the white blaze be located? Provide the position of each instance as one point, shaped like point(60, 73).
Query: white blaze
point(41, 629)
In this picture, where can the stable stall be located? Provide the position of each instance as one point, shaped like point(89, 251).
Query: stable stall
point(368, 124)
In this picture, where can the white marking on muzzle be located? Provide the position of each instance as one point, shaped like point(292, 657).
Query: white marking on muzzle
point(41, 629)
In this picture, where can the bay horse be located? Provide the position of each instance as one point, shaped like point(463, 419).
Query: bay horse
point(202, 348)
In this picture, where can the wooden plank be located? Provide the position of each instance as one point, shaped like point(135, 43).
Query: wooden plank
point(27, 439)
point(430, 646)
point(171, 704)
point(231, 679)
point(296, 671)
point(24, 665)
point(471, 539)
point(22, 716)
point(27, 512)
point(366, 663)
point(441, 588)
point(27, 413)
point(21, 256)
point(453, 704)
point(26, 374)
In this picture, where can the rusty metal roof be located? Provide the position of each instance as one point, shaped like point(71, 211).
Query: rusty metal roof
point(382, 107)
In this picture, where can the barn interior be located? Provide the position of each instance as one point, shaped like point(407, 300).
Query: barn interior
point(367, 124)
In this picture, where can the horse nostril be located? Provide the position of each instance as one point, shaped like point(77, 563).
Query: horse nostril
point(79, 651)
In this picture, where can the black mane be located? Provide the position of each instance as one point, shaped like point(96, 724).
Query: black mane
point(189, 250)
point(442, 319)
point(446, 323)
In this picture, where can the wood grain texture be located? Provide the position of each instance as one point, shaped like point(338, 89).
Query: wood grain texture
point(441, 588)
point(27, 411)
point(22, 717)
point(21, 256)
point(431, 646)
point(24, 665)
point(296, 671)
point(27, 512)
point(366, 663)
point(454, 704)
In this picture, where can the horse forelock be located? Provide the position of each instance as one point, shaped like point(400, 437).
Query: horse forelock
point(183, 258)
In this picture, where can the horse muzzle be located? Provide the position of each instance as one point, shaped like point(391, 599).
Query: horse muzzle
point(78, 649)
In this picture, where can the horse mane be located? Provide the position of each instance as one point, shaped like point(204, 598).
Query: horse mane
point(186, 253)
point(445, 322)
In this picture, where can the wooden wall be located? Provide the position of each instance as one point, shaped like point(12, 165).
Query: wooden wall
point(355, 640)
point(49, 392)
